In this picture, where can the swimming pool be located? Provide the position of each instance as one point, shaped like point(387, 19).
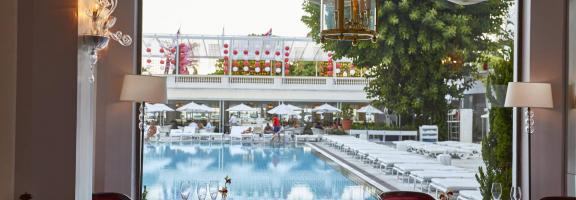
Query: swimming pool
point(258, 171)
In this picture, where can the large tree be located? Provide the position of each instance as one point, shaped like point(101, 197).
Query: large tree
point(424, 53)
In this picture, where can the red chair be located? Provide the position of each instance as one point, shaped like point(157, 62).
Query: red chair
point(405, 195)
point(109, 196)
point(558, 198)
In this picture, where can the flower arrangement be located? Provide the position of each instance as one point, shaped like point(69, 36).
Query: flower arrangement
point(224, 190)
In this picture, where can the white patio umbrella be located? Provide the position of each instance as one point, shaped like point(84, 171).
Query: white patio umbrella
point(282, 109)
point(241, 108)
point(293, 107)
point(193, 108)
point(369, 109)
point(158, 108)
point(326, 108)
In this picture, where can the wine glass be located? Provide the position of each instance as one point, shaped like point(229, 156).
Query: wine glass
point(185, 189)
point(202, 191)
point(496, 191)
point(515, 193)
point(213, 188)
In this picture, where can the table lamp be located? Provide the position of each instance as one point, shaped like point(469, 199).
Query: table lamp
point(143, 89)
point(529, 95)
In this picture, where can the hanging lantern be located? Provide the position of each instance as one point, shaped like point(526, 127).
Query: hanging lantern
point(225, 45)
point(235, 52)
point(161, 50)
point(267, 52)
point(148, 61)
point(349, 20)
point(148, 50)
point(287, 48)
point(225, 51)
point(245, 52)
point(286, 60)
point(286, 54)
point(277, 53)
point(256, 52)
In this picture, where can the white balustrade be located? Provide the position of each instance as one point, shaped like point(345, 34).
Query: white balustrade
point(267, 82)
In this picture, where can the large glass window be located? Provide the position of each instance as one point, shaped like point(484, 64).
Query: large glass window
point(255, 97)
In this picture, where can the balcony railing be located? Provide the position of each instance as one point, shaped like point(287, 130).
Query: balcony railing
point(267, 82)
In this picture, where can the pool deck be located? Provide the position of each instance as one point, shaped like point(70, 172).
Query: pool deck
point(375, 177)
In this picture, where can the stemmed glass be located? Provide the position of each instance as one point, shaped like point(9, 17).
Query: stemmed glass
point(213, 188)
point(185, 189)
point(496, 191)
point(515, 193)
point(202, 191)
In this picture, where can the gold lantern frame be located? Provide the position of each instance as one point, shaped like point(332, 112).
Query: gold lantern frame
point(355, 29)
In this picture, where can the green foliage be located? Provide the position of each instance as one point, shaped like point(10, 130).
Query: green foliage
point(145, 194)
point(347, 111)
point(497, 145)
point(406, 61)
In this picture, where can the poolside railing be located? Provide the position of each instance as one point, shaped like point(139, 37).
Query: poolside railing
point(267, 82)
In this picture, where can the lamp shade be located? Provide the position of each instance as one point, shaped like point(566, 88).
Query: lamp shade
point(139, 88)
point(533, 95)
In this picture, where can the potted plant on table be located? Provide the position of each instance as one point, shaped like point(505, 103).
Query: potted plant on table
point(347, 114)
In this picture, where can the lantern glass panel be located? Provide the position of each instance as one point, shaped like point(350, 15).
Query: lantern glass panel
point(327, 14)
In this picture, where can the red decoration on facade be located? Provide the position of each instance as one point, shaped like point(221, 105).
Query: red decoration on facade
point(277, 53)
point(338, 65)
point(257, 64)
point(161, 50)
point(267, 52)
point(286, 54)
point(235, 52)
point(330, 55)
point(173, 62)
point(148, 61)
point(287, 66)
point(286, 72)
point(256, 52)
point(235, 63)
point(287, 48)
point(225, 45)
point(148, 50)
point(329, 68)
point(267, 64)
point(162, 62)
point(173, 50)
point(286, 60)
point(226, 58)
point(225, 51)
point(245, 52)
point(278, 64)
point(246, 63)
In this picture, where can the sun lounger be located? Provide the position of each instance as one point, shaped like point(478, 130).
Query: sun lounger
point(469, 195)
point(406, 168)
point(424, 177)
point(452, 184)
point(236, 133)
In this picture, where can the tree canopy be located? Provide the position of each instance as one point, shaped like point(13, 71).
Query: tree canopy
point(425, 52)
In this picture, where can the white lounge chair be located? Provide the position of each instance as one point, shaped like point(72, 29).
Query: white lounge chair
point(469, 195)
point(452, 184)
point(424, 177)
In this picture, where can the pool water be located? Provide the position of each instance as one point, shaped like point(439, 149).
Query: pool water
point(258, 171)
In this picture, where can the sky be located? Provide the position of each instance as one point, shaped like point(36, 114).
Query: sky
point(236, 17)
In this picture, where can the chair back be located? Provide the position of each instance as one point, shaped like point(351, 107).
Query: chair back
point(405, 195)
point(109, 196)
point(558, 198)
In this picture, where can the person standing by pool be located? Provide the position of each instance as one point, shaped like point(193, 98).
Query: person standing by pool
point(277, 127)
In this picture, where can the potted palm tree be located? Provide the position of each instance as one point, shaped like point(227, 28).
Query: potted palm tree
point(347, 114)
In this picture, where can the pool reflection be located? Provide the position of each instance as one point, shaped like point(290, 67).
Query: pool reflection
point(257, 171)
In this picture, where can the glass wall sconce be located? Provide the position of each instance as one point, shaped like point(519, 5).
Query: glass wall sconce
point(98, 34)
